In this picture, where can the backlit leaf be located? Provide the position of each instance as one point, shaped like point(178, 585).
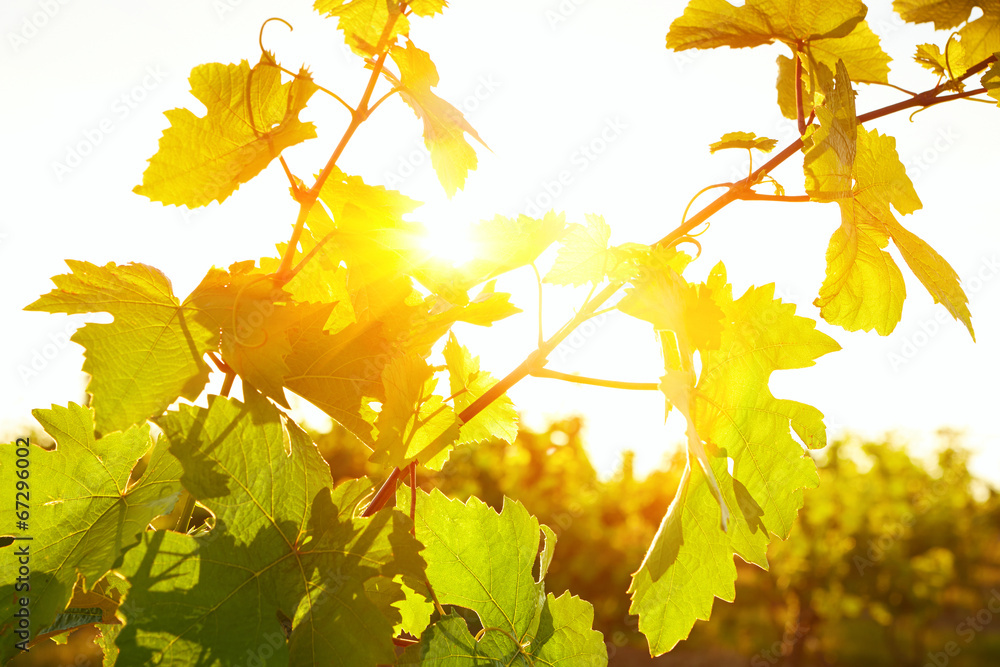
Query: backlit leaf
point(731, 408)
point(499, 419)
point(584, 256)
point(84, 514)
point(252, 116)
point(504, 244)
point(481, 560)
point(444, 126)
point(414, 424)
point(284, 544)
point(979, 38)
point(991, 81)
point(863, 288)
point(149, 356)
point(745, 140)
point(363, 22)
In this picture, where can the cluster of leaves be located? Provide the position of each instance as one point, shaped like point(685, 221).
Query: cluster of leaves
point(347, 316)
point(891, 557)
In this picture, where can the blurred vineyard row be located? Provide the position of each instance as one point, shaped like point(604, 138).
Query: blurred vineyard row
point(889, 563)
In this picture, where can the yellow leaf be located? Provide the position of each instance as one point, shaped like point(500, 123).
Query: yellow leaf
point(252, 116)
point(444, 126)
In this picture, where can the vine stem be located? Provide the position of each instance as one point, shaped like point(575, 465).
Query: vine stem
point(579, 379)
point(358, 116)
point(799, 113)
point(739, 190)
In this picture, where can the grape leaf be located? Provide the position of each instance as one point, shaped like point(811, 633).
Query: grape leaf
point(84, 512)
point(979, 38)
point(320, 280)
point(444, 126)
point(930, 57)
point(713, 23)
point(863, 288)
point(732, 409)
point(244, 305)
point(149, 356)
point(504, 244)
point(364, 21)
point(861, 53)
point(365, 228)
point(339, 373)
point(414, 424)
point(745, 140)
point(252, 116)
point(105, 640)
point(991, 82)
point(498, 419)
point(585, 256)
point(482, 560)
point(487, 307)
point(945, 14)
point(830, 148)
point(284, 545)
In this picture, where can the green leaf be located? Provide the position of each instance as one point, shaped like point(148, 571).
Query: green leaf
point(499, 419)
point(864, 288)
point(252, 116)
point(745, 140)
point(84, 514)
point(482, 560)
point(364, 21)
point(415, 612)
point(447, 643)
point(444, 126)
point(149, 356)
point(283, 545)
point(105, 640)
point(414, 424)
point(732, 409)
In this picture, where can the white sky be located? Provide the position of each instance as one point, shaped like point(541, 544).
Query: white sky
point(539, 81)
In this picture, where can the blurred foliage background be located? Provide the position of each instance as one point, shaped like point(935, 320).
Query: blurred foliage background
point(891, 562)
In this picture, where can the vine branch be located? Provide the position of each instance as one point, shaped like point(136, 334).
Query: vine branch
point(739, 190)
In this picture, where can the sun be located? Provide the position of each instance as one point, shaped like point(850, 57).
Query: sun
point(449, 238)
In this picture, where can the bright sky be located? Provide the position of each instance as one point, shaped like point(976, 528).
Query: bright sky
point(577, 90)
